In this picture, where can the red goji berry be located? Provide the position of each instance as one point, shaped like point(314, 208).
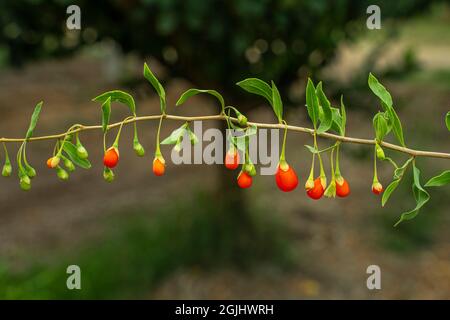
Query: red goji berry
point(377, 188)
point(317, 191)
point(111, 158)
point(342, 188)
point(286, 178)
point(232, 159)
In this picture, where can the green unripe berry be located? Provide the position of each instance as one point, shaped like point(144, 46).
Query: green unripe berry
point(30, 172)
point(380, 152)
point(108, 175)
point(139, 149)
point(69, 165)
point(25, 183)
point(242, 120)
point(7, 170)
point(82, 152)
point(62, 174)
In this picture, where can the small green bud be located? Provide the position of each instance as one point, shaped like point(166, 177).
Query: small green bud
point(242, 120)
point(139, 149)
point(62, 174)
point(380, 152)
point(25, 183)
point(7, 170)
point(69, 165)
point(30, 171)
point(108, 175)
point(82, 152)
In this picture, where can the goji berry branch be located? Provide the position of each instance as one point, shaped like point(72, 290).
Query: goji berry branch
point(345, 139)
point(70, 152)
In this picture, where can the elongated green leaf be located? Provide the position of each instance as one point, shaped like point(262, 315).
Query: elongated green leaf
point(192, 92)
point(380, 125)
point(380, 91)
point(277, 104)
point(326, 116)
point(312, 103)
point(396, 126)
point(106, 114)
point(148, 74)
point(389, 190)
point(257, 86)
point(118, 96)
point(175, 135)
point(421, 196)
point(343, 117)
point(71, 150)
point(440, 180)
point(447, 120)
point(34, 120)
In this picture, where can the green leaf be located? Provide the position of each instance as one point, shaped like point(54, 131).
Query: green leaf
point(277, 104)
point(380, 91)
point(447, 120)
point(380, 125)
point(118, 96)
point(106, 114)
point(440, 180)
point(148, 74)
point(326, 116)
point(192, 92)
point(396, 126)
point(312, 103)
point(176, 135)
point(34, 120)
point(311, 149)
point(420, 195)
point(398, 175)
point(71, 150)
point(257, 86)
point(336, 125)
point(399, 172)
point(389, 190)
point(343, 117)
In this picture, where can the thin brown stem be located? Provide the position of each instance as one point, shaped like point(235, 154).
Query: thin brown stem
point(80, 128)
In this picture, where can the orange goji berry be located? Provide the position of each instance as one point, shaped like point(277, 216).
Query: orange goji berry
point(244, 180)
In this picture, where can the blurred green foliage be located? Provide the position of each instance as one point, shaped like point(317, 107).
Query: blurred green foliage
point(212, 43)
point(143, 250)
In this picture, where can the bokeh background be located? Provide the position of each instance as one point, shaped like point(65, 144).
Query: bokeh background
point(192, 233)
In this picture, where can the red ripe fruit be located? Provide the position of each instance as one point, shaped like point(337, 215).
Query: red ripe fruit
point(232, 159)
point(343, 189)
point(377, 188)
point(244, 180)
point(111, 157)
point(286, 179)
point(158, 167)
point(317, 192)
